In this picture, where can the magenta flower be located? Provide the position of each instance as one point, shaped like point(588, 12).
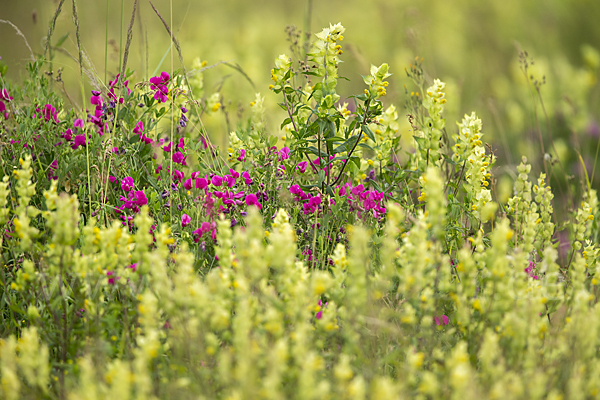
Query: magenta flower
point(50, 113)
point(3, 110)
point(79, 141)
point(285, 153)
point(179, 158)
point(358, 189)
point(111, 277)
point(52, 169)
point(187, 184)
point(529, 271)
point(230, 180)
point(96, 98)
point(67, 135)
point(441, 320)
point(140, 198)
point(78, 123)
point(127, 184)
point(201, 183)
point(299, 193)
point(252, 200)
point(139, 128)
point(247, 178)
point(167, 147)
point(4, 95)
point(185, 220)
point(178, 175)
point(302, 166)
point(216, 180)
point(181, 144)
point(159, 85)
point(319, 314)
point(241, 155)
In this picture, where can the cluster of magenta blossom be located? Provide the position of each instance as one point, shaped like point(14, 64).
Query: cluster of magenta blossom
point(230, 192)
point(159, 85)
point(101, 116)
point(139, 130)
point(529, 271)
point(359, 199)
point(179, 156)
point(4, 97)
point(132, 201)
point(49, 113)
point(52, 170)
point(113, 278)
point(319, 313)
point(72, 136)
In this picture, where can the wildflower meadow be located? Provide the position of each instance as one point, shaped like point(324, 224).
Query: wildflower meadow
point(337, 245)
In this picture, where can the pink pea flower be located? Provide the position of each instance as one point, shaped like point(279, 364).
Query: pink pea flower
point(185, 220)
point(241, 155)
point(78, 123)
point(201, 183)
point(52, 169)
point(181, 143)
point(252, 200)
point(79, 141)
point(358, 189)
point(179, 158)
point(230, 180)
point(67, 135)
point(178, 175)
point(139, 128)
point(112, 278)
point(158, 84)
point(195, 174)
point(285, 153)
point(127, 184)
point(167, 147)
point(319, 314)
point(441, 320)
point(216, 180)
point(50, 113)
point(302, 166)
point(140, 198)
point(247, 178)
point(187, 184)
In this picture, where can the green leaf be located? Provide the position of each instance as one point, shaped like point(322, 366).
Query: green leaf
point(285, 122)
point(61, 40)
point(367, 131)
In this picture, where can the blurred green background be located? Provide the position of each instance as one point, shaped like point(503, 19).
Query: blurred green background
point(472, 45)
